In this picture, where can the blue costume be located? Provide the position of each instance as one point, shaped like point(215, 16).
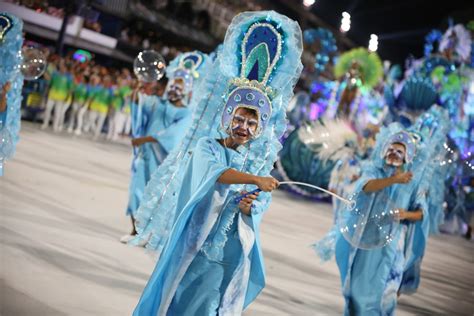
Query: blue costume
point(212, 263)
point(372, 278)
point(11, 40)
point(166, 123)
point(152, 219)
point(157, 212)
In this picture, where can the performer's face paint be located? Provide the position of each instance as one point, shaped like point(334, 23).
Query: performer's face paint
point(244, 125)
point(176, 90)
point(395, 155)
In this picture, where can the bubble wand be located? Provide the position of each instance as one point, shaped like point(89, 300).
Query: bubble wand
point(350, 203)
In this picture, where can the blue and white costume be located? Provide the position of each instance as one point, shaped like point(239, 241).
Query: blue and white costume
point(166, 123)
point(372, 278)
point(212, 263)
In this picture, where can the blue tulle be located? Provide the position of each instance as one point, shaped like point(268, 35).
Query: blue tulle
point(157, 212)
point(434, 126)
point(10, 59)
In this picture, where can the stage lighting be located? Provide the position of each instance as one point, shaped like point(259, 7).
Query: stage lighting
point(373, 43)
point(345, 22)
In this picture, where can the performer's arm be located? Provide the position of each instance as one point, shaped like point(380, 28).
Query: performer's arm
point(232, 176)
point(142, 140)
point(380, 184)
point(411, 216)
point(3, 96)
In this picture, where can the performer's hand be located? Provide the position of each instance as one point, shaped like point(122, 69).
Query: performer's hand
point(403, 177)
point(266, 184)
point(245, 204)
point(412, 216)
point(136, 142)
point(402, 214)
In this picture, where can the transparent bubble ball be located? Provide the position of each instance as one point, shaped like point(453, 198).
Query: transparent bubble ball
point(369, 223)
point(149, 66)
point(34, 63)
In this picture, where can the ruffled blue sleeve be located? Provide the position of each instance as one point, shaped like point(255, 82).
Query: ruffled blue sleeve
point(259, 207)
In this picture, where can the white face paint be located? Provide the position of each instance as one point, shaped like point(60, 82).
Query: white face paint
point(176, 91)
point(244, 126)
point(248, 124)
point(395, 155)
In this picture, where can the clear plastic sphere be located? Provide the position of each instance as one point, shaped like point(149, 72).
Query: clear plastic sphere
point(149, 66)
point(369, 223)
point(34, 63)
point(6, 144)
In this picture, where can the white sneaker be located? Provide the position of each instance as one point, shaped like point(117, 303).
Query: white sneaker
point(125, 239)
point(78, 132)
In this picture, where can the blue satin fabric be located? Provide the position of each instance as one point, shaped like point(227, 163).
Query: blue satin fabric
point(167, 124)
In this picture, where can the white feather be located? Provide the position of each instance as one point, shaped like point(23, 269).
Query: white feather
point(328, 139)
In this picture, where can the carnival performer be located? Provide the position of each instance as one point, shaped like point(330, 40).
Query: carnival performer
point(372, 279)
point(11, 83)
point(212, 262)
point(160, 125)
point(353, 80)
point(355, 69)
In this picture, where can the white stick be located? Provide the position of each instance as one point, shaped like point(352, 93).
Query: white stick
point(320, 189)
